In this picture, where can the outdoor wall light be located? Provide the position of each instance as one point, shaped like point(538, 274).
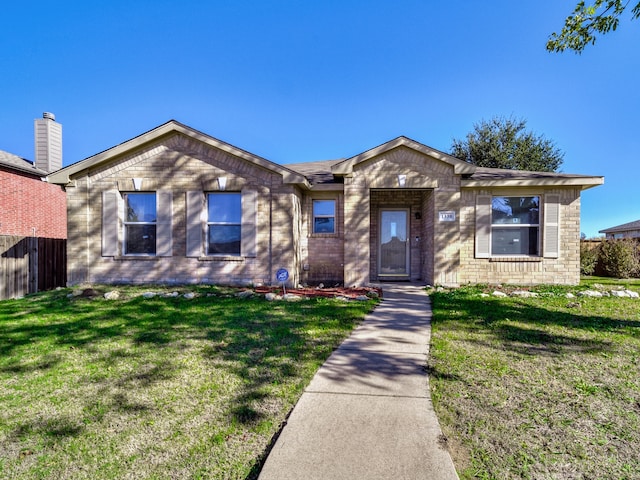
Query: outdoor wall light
point(402, 180)
point(137, 184)
point(222, 183)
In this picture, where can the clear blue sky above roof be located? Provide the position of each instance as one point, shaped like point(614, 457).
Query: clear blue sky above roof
point(296, 81)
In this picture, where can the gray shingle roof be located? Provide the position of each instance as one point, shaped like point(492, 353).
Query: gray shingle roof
point(623, 228)
point(316, 172)
point(14, 162)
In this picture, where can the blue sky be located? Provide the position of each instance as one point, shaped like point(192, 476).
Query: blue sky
point(296, 81)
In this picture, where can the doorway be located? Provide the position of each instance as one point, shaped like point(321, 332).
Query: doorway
point(393, 244)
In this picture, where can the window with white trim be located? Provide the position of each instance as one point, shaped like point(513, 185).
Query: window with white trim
point(324, 216)
point(224, 223)
point(140, 223)
point(515, 225)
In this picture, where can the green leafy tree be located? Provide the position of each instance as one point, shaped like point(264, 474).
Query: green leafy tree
point(504, 143)
point(587, 21)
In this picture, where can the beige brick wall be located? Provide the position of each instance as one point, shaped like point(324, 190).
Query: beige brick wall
point(322, 255)
point(523, 271)
point(443, 254)
point(180, 164)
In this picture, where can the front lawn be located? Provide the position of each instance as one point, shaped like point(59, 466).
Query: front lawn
point(544, 387)
point(162, 387)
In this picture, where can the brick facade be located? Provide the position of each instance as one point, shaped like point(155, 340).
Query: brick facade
point(31, 207)
point(440, 195)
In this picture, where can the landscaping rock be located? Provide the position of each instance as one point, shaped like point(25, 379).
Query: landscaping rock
point(112, 295)
point(291, 297)
point(362, 298)
point(632, 294)
point(523, 293)
point(189, 295)
point(619, 293)
point(590, 293)
point(149, 294)
point(499, 294)
point(484, 295)
point(272, 296)
point(570, 295)
point(245, 294)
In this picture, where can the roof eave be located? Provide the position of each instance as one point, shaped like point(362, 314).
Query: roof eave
point(64, 175)
point(583, 182)
point(346, 166)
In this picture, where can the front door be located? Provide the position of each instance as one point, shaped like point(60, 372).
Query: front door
point(393, 248)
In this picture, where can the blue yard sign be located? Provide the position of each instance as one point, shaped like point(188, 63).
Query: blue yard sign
point(282, 275)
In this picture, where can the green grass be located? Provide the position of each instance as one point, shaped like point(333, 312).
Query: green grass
point(544, 387)
point(155, 388)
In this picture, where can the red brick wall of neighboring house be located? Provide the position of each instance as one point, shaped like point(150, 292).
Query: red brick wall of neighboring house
point(30, 207)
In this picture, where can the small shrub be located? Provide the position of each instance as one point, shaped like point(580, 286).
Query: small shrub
point(618, 258)
point(588, 258)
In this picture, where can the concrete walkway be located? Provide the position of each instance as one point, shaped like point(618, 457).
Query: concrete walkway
point(367, 413)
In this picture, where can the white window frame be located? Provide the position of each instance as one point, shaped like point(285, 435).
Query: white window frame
point(518, 225)
point(127, 223)
point(210, 224)
point(314, 216)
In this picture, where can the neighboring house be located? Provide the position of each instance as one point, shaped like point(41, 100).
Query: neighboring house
point(626, 230)
point(33, 216)
point(174, 205)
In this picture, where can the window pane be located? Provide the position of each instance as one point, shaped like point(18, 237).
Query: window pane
point(324, 208)
point(324, 225)
point(140, 239)
point(515, 210)
point(514, 241)
point(140, 207)
point(224, 239)
point(324, 216)
point(224, 207)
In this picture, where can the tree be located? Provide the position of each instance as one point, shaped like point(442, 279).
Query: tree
point(581, 27)
point(504, 143)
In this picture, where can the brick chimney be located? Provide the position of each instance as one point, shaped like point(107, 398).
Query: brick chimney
point(48, 143)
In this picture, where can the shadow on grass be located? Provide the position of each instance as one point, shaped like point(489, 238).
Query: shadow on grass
point(259, 342)
point(532, 327)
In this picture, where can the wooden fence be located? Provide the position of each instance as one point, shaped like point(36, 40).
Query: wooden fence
point(29, 264)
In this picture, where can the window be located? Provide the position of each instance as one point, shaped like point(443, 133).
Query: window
point(324, 216)
point(224, 223)
point(515, 225)
point(140, 221)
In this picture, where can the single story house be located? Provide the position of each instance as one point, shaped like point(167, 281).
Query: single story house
point(175, 205)
point(626, 230)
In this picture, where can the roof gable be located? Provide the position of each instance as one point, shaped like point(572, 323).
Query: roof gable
point(346, 167)
point(64, 175)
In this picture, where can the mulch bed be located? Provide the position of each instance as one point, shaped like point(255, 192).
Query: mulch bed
point(352, 292)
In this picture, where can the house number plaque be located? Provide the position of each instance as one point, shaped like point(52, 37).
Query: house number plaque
point(447, 216)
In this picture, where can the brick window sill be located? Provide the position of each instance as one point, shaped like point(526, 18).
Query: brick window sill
point(222, 258)
point(515, 259)
point(137, 258)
